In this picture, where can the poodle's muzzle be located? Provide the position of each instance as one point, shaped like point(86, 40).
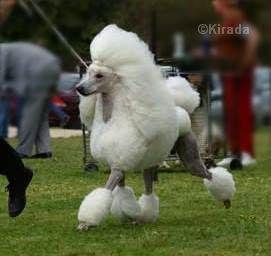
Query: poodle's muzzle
point(86, 87)
point(81, 90)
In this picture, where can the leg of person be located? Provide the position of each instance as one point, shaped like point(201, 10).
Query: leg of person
point(246, 118)
point(230, 124)
point(19, 106)
point(11, 163)
point(18, 176)
point(43, 149)
point(42, 138)
point(235, 121)
point(7, 122)
point(4, 119)
point(31, 118)
point(37, 97)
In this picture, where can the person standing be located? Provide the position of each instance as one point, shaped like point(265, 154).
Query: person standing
point(11, 165)
point(30, 72)
point(236, 57)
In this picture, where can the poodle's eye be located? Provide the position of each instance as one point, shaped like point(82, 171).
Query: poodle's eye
point(99, 76)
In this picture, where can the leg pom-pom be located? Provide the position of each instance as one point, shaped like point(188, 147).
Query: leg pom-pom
point(125, 206)
point(221, 186)
point(149, 208)
point(94, 208)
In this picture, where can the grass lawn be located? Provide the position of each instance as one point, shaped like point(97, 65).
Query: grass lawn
point(190, 223)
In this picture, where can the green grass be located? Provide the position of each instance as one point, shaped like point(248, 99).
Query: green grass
point(190, 222)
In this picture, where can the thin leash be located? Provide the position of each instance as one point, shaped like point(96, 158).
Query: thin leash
point(57, 32)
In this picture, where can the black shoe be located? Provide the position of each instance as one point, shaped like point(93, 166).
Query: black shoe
point(17, 196)
point(22, 156)
point(236, 164)
point(42, 155)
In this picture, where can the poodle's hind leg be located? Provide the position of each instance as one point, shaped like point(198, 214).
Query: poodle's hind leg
point(149, 202)
point(188, 151)
point(218, 181)
point(96, 205)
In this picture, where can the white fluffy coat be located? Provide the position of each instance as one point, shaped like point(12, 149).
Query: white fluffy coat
point(183, 93)
point(222, 186)
point(95, 207)
point(87, 110)
point(144, 123)
point(149, 208)
point(125, 206)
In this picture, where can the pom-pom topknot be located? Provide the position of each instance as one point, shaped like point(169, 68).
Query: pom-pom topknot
point(114, 47)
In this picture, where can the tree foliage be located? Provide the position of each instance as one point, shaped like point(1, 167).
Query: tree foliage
point(81, 20)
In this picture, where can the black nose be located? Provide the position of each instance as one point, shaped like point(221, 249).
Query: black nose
point(80, 89)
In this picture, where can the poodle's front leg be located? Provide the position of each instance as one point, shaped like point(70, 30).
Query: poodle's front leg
point(218, 181)
point(124, 206)
point(148, 176)
point(116, 178)
point(188, 151)
point(149, 202)
point(96, 205)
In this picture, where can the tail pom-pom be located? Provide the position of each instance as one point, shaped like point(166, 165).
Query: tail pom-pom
point(221, 186)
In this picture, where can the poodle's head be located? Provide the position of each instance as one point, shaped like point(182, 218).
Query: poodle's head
point(98, 79)
point(118, 55)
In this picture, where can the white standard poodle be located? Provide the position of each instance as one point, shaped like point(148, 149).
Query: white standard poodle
point(136, 118)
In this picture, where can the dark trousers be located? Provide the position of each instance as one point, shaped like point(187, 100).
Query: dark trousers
point(11, 164)
point(4, 117)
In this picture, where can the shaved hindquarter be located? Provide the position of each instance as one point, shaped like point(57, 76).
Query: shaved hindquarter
point(188, 151)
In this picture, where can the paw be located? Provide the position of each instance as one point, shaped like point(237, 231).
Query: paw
point(149, 205)
point(95, 207)
point(83, 226)
point(125, 206)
